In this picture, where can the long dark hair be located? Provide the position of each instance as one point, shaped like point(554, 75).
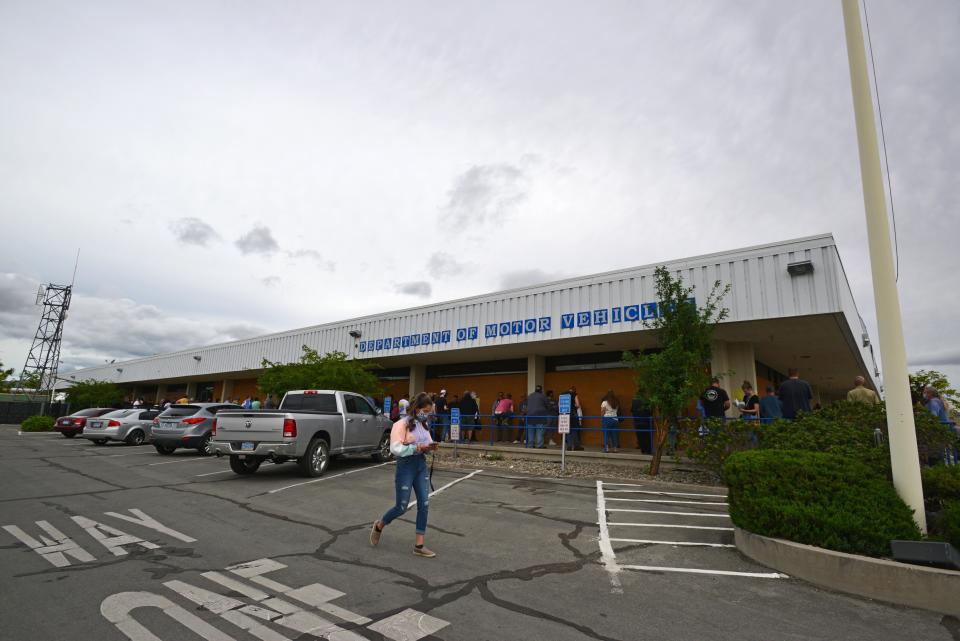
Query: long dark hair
point(419, 401)
point(611, 400)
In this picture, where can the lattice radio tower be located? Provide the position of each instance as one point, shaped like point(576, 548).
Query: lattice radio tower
point(44, 357)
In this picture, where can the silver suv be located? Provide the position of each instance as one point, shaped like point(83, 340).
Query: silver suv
point(187, 426)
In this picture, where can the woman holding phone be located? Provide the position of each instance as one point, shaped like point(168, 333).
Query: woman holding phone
point(410, 441)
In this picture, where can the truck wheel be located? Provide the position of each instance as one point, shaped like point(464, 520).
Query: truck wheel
point(315, 460)
point(383, 453)
point(166, 450)
point(99, 441)
point(247, 465)
point(205, 448)
point(135, 437)
point(68, 434)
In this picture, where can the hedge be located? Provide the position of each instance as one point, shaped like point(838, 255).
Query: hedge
point(827, 500)
point(941, 483)
point(37, 424)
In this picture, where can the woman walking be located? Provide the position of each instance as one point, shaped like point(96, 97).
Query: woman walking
point(609, 422)
point(409, 441)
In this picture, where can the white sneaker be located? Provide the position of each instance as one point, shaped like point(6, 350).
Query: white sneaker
point(516, 442)
point(551, 442)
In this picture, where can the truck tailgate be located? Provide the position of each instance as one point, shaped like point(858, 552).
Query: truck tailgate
point(250, 426)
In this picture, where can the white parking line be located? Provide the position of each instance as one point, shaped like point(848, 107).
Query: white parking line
point(757, 575)
point(685, 527)
point(130, 454)
point(690, 543)
point(183, 460)
point(713, 496)
point(19, 433)
point(441, 489)
point(606, 549)
point(670, 501)
point(717, 516)
point(212, 473)
point(327, 478)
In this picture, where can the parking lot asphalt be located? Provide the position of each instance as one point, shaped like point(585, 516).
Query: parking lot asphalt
point(117, 542)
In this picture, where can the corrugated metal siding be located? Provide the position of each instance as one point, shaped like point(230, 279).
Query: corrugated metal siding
point(760, 288)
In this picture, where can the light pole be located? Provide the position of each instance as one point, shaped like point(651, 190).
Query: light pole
point(904, 459)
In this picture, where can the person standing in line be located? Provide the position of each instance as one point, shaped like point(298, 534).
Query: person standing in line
point(642, 422)
point(862, 394)
point(442, 412)
point(521, 436)
point(269, 403)
point(750, 408)
point(715, 400)
point(554, 408)
point(503, 414)
point(410, 440)
point(609, 422)
point(537, 412)
point(935, 405)
point(576, 412)
point(770, 407)
point(494, 417)
point(247, 403)
point(255, 405)
point(403, 405)
point(795, 394)
point(468, 415)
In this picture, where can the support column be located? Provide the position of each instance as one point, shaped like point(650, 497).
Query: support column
point(418, 379)
point(161, 392)
point(226, 391)
point(191, 391)
point(536, 366)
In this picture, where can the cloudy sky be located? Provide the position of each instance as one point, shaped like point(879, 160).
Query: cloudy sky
point(228, 169)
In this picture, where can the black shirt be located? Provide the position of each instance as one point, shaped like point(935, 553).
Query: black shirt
point(714, 399)
point(440, 407)
point(795, 396)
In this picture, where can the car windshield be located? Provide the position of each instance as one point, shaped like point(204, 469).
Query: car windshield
point(118, 413)
point(181, 410)
point(91, 412)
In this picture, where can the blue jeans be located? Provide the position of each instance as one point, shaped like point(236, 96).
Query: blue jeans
point(411, 474)
point(537, 434)
point(611, 432)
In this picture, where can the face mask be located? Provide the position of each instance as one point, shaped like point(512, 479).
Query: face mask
point(423, 417)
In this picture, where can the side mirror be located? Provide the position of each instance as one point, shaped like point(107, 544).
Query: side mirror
point(379, 412)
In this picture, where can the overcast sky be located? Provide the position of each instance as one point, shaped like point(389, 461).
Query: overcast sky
point(232, 168)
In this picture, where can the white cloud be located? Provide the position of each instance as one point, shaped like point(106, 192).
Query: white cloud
point(485, 193)
point(442, 265)
point(258, 240)
point(192, 231)
point(419, 288)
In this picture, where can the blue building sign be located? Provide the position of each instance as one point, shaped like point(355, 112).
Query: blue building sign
point(633, 313)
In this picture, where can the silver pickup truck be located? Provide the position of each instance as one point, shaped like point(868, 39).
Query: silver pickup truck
point(309, 427)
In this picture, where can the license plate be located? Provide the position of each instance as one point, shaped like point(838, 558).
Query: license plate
point(170, 426)
point(246, 446)
point(96, 424)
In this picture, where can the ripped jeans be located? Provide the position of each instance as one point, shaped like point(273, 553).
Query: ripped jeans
point(411, 474)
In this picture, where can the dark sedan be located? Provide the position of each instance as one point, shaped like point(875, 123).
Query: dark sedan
point(73, 424)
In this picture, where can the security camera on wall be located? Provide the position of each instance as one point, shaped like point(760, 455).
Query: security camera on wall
point(355, 333)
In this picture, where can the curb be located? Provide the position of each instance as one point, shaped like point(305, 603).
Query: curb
point(916, 586)
point(619, 459)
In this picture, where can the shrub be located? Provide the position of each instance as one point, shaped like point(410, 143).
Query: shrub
point(945, 525)
point(712, 441)
point(941, 483)
point(820, 499)
point(37, 424)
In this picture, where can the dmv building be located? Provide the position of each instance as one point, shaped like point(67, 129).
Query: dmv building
point(790, 306)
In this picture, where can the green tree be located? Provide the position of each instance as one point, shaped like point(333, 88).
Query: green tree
point(673, 377)
point(5, 381)
point(331, 371)
point(936, 380)
point(92, 393)
point(31, 381)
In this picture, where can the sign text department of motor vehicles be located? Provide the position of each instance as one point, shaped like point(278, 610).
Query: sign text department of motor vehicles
point(596, 317)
